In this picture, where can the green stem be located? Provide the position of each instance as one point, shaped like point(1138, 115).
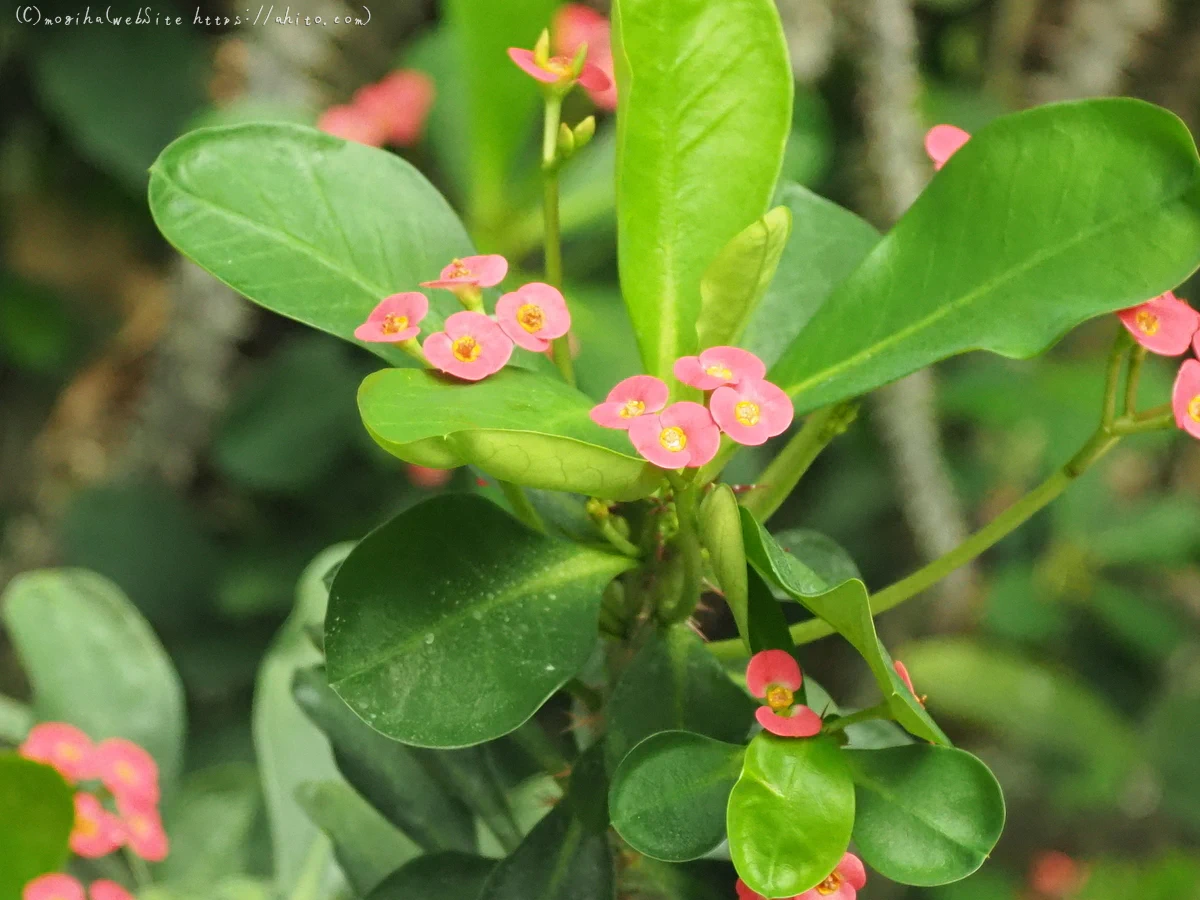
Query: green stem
point(139, 869)
point(882, 711)
point(1112, 378)
point(687, 544)
point(552, 233)
point(592, 699)
point(780, 478)
point(618, 540)
point(521, 505)
point(1136, 358)
point(534, 740)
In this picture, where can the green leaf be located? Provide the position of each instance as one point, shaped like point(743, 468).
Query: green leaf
point(674, 684)
point(15, 720)
point(1011, 246)
point(925, 815)
point(425, 613)
point(669, 794)
point(37, 812)
point(825, 556)
point(734, 282)
point(390, 776)
point(516, 426)
point(367, 847)
point(305, 224)
point(436, 876)
point(226, 889)
point(790, 814)
point(721, 535)
point(291, 750)
point(827, 243)
point(847, 609)
point(768, 627)
point(94, 662)
point(210, 822)
point(703, 879)
point(702, 84)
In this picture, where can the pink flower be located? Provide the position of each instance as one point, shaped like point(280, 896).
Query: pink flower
point(533, 316)
point(62, 746)
point(683, 434)
point(558, 70)
point(1053, 874)
point(843, 883)
point(97, 832)
point(773, 675)
point(427, 478)
point(576, 25)
point(143, 829)
point(633, 397)
point(471, 271)
point(128, 771)
point(351, 124)
point(902, 671)
point(942, 142)
point(750, 412)
point(53, 887)
point(719, 365)
point(472, 346)
point(108, 890)
point(398, 105)
point(396, 318)
point(1185, 398)
point(1164, 325)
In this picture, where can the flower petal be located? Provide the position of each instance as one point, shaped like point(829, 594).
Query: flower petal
point(943, 141)
point(651, 391)
point(744, 892)
point(524, 59)
point(489, 269)
point(645, 432)
point(53, 887)
point(801, 723)
point(593, 78)
point(64, 747)
point(1185, 397)
point(1165, 325)
point(851, 868)
point(743, 364)
point(769, 667)
point(108, 890)
point(127, 770)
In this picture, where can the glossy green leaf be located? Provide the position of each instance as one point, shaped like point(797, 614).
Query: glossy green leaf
point(734, 282)
point(390, 776)
point(669, 794)
point(702, 879)
point(674, 684)
point(702, 85)
point(721, 535)
point(436, 876)
point(517, 426)
point(827, 243)
point(367, 847)
point(1012, 245)
point(847, 609)
point(425, 612)
point(766, 623)
point(310, 226)
point(821, 553)
point(291, 750)
point(95, 662)
point(210, 821)
point(37, 812)
point(925, 815)
point(790, 813)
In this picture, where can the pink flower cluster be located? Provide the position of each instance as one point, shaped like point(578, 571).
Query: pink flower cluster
point(472, 345)
point(579, 31)
point(1165, 325)
point(687, 435)
point(126, 774)
point(843, 883)
point(391, 111)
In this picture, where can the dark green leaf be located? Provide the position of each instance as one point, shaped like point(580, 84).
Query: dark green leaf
point(516, 426)
point(37, 812)
point(426, 612)
point(389, 775)
point(925, 815)
point(790, 814)
point(669, 794)
point(674, 684)
point(767, 624)
point(437, 876)
point(703, 879)
point(701, 84)
point(1012, 245)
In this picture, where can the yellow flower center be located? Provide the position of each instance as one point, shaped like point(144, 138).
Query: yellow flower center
point(559, 65)
point(139, 825)
point(531, 317)
point(467, 349)
point(85, 827)
point(779, 697)
point(1147, 322)
point(125, 772)
point(458, 269)
point(672, 439)
point(720, 370)
point(830, 885)
point(393, 324)
point(1194, 408)
point(747, 412)
point(68, 752)
point(632, 409)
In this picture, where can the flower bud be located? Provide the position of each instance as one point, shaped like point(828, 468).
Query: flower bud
point(541, 50)
point(584, 132)
point(566, 141)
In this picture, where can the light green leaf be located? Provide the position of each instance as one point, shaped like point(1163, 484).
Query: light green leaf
point(734, 282)
point(425, 612)
point(925, 815)
point(669, 794)
point(1044, 219)
point(790, 814)
point(210, 822)
point(15, 720)
point(825, 556)
point(516, 426)
point(703, 86)
point(436, 876)
point(95, 662)
point(226, 889)
point(37, 812)
point(721, 535)
point(847, 609)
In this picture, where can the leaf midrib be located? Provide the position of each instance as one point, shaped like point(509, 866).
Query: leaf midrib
point(870, 784)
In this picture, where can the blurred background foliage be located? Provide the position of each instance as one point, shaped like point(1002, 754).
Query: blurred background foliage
point(159, 431)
